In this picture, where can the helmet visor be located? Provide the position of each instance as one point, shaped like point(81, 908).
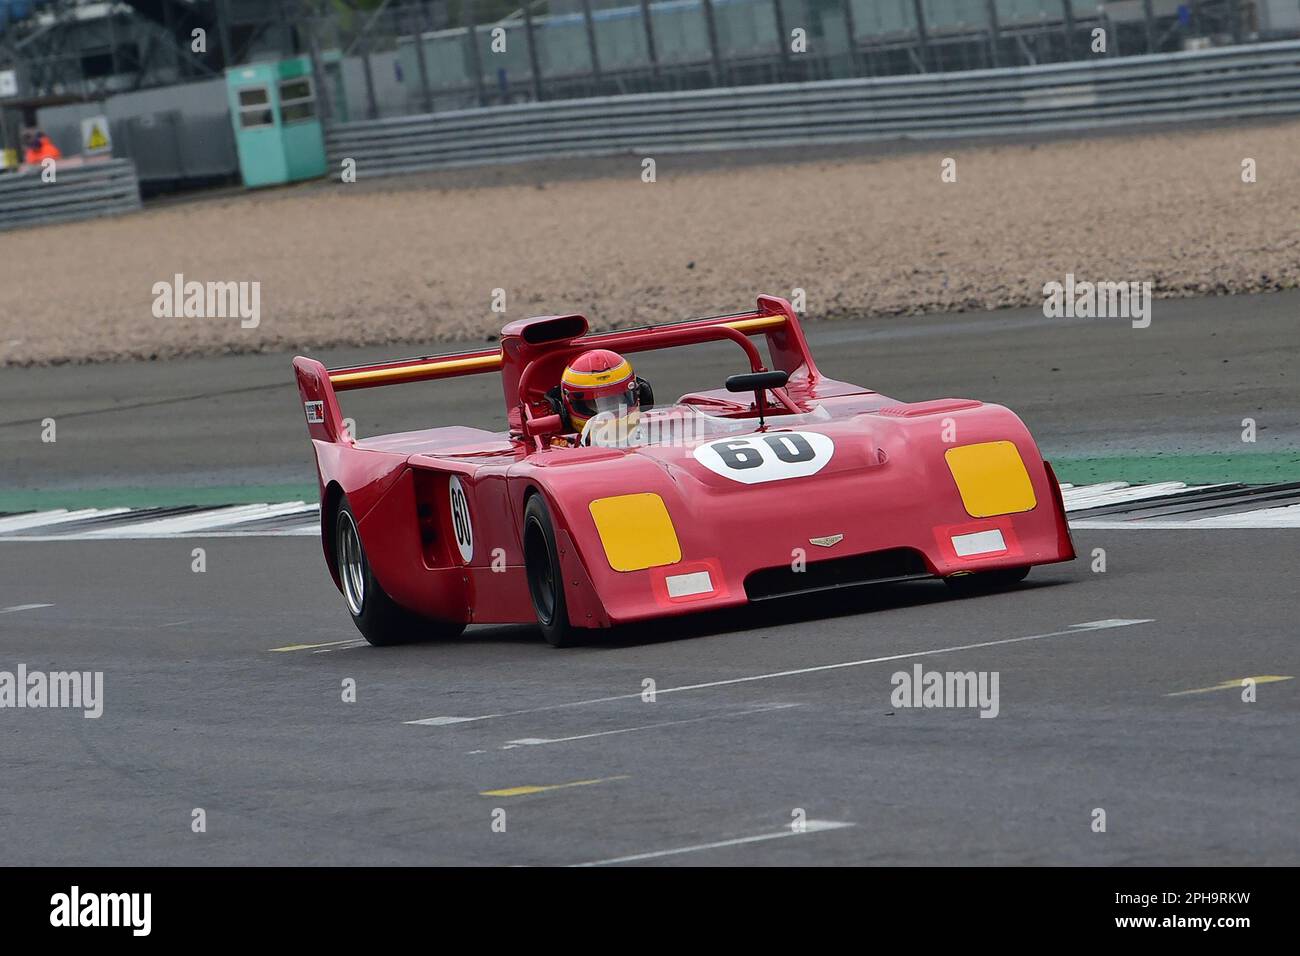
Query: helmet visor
point(588, 404)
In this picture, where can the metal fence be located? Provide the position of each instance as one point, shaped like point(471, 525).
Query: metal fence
point(421, 56)
point(1243, 81)
point(82, 191)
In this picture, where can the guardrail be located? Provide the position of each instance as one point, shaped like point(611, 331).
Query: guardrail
point(1228, 82)
point(79, 191)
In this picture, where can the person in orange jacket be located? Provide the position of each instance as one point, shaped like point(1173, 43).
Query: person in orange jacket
point(40, 147)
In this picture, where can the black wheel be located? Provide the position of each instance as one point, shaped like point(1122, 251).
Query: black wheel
point(986, 582)
point(380, 619)
point(545, 580)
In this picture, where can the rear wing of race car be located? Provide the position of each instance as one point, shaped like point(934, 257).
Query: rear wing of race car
point(532, 349)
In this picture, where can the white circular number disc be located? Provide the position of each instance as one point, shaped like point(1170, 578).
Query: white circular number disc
point(768, 456)
point(460, 523)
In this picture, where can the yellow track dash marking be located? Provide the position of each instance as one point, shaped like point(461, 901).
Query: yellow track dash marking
point(1234, 683)
point(306, 647)
point(526, 790)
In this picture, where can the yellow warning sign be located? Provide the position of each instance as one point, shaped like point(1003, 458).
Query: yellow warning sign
point(95, 135)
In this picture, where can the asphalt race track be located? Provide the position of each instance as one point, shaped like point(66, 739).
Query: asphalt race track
point(224, 690)
point(203, 708)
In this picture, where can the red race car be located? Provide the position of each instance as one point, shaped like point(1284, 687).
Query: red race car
point(597, 507)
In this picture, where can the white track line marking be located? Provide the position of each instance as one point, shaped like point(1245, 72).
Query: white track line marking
point(1286, 517)
point(1072, 629)
point(57, 516)
point(1165, 489)
point(1088, 491)
point(538, 741)
point(23, 607)
point(1077, 501)
point(203, 521)
point(308, 531)
point(812, 826)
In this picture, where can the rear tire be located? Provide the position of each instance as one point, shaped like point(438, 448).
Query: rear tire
point(986, 582)
point(545, 579)
point(381, 620)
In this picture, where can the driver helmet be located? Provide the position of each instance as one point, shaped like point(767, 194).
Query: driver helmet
point(597, 382)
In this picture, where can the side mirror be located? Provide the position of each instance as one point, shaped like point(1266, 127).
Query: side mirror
point(757, 381)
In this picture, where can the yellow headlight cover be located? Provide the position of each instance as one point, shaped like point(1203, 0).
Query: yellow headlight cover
point(991, 478)
point(636, 531)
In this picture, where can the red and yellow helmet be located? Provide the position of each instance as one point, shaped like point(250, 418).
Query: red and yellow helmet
point(599, 381)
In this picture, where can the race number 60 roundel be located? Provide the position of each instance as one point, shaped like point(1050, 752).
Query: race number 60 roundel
point(460, 523)
point(773, 456)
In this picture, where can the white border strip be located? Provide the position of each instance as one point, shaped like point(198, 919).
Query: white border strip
point(182, 525)
point(58, 516)
point(225, 521)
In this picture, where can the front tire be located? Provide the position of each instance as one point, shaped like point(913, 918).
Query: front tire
point(545, 579)
point(381, 620)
